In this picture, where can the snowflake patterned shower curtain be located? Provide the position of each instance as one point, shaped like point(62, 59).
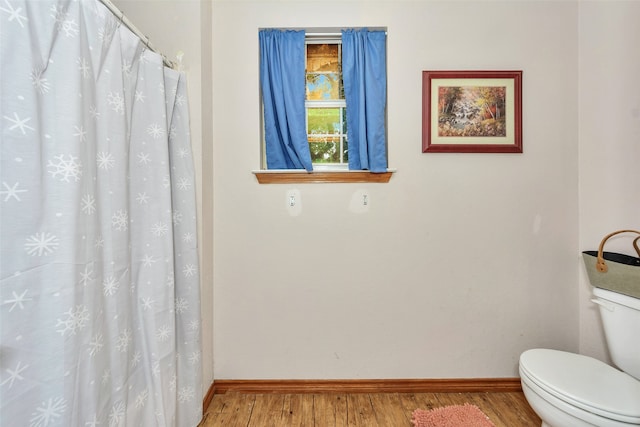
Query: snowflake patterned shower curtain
point(99, 289)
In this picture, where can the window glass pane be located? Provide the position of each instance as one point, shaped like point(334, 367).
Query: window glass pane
point(323, 86)
point(345, 150)
point(324, 81)
point(345, 142)
point(325, 151)
point(322, 58)
point(325, 128)
point(324, 121)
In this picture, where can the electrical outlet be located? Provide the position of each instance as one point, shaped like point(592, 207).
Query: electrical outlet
point(360, 201)
point(293, 202)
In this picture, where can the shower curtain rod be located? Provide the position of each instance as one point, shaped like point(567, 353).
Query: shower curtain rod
point(120, 15)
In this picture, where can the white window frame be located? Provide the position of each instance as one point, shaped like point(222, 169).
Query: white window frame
point(326, 38)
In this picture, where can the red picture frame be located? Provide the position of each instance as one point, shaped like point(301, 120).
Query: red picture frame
point(472, 111)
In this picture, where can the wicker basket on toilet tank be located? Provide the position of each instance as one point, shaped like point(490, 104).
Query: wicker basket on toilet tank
point(614, 271)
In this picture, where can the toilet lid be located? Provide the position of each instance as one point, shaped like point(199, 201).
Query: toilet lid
point(584, 382)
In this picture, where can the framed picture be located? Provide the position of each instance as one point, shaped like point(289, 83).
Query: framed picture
point(472, 111)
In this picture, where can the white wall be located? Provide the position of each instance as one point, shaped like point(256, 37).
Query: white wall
point(609, 140)
point(463, 260)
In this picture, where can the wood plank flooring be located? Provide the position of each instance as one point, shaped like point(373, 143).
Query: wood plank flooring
point(505, 409)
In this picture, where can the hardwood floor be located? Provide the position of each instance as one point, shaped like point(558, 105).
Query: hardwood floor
point(505, 409)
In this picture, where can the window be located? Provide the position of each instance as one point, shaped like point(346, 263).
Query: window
point(324, 100)
point(326, 108)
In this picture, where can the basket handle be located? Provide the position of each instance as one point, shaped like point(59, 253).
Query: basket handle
point(601, 266)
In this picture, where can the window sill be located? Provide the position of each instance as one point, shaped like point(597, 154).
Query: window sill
point(302, 176)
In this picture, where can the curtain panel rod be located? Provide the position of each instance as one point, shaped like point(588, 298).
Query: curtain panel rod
point(324, 32)
point(120, 15)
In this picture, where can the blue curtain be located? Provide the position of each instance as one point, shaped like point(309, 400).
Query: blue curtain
point(282, 78)
point(364, 73)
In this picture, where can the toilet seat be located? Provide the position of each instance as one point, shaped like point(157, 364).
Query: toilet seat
point(585, 383)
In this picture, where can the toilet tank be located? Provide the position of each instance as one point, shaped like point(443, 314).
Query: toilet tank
point(621, 321)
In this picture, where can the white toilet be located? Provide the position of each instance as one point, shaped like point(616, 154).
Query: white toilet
point(572, 390)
